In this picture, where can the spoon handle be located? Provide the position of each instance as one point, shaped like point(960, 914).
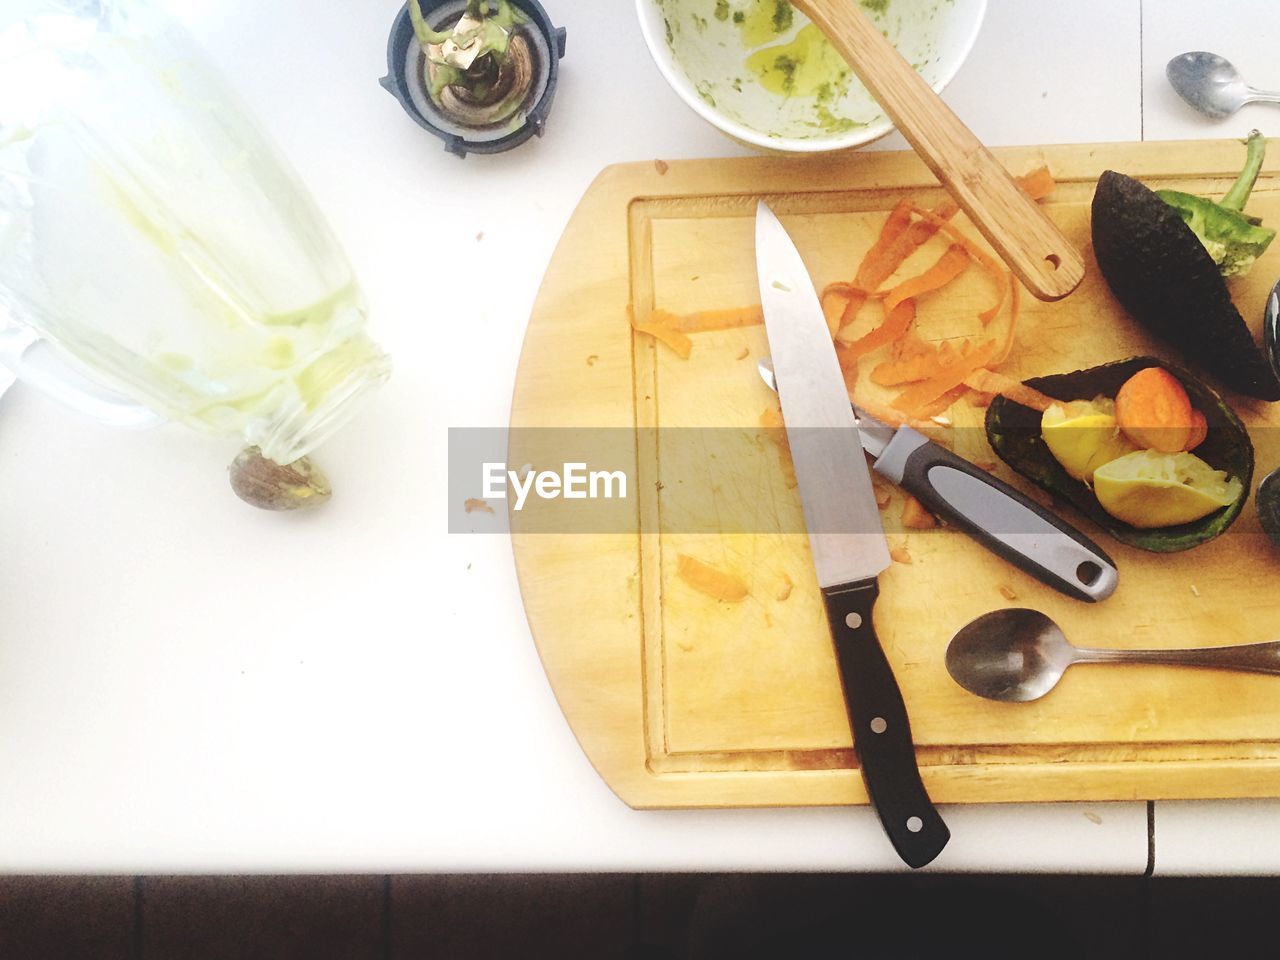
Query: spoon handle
point(1262, 96)
point(1021, 233)
point(1247, 657)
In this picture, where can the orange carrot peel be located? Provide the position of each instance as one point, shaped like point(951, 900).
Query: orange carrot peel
point(663, 333)
point(710, 580)
point(949, 266)
point(950, 376)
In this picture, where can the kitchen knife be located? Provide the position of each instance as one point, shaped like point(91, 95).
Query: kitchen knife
point(1006, 522)
point(849, 547)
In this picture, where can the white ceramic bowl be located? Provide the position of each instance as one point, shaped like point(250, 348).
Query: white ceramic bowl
point(700, 49)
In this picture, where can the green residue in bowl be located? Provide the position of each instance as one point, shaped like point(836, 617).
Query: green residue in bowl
point(759, 63)
point(762, 21)
point(807, 66)
point(830, 123)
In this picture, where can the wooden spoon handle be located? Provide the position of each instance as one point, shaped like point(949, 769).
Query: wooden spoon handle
point(1025, 238)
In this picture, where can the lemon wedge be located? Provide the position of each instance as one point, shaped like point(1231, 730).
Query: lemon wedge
point(1150, 489)
point(1082, 435)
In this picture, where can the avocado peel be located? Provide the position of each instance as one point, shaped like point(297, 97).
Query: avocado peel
point(1014, 433)
point(1268, 504)
point(1163, 276)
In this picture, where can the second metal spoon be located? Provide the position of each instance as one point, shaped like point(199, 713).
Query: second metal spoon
point(1212, 85)
point(1017, 655)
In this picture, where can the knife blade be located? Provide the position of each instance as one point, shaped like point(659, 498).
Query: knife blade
point(849, 546)
point(1005, 521)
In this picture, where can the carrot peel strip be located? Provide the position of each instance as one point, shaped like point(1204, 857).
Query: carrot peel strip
point(710, 580)
point(896, 322)
point(661, 332)
point(988, 381)
point(848, 366)
point(988, 262)
point(884, 249)
point(951, 375)
point(706, 320)
point(776, 430)
point(942, 404)
point(916, 360)
point(949, 266)
point(851, 308)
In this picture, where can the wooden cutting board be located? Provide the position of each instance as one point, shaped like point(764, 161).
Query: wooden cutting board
point(680, 700)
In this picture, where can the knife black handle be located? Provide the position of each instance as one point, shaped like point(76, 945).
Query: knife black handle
point(1006, 522)
point(881, 730)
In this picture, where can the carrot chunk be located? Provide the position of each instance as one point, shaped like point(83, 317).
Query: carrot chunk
point(1038, 184)
point(915, 516)
point(1199, 430)
point(1154, 411)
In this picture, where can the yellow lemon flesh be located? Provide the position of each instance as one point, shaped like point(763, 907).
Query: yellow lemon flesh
point(1082, 435)
point(1150, 489)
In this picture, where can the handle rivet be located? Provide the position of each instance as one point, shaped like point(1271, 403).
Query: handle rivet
point(853, 621)
point(915, 824)
point(878, 725)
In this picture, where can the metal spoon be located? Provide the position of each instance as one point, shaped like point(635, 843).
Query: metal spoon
point(1210, 84)
point(1017, 655)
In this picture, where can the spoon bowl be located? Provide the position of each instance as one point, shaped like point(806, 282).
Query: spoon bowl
point(1212, 85)
point(1012, 655)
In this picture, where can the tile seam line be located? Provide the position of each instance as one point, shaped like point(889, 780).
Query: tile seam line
point(1151, 840)
point(387, 946)
point(138, 939)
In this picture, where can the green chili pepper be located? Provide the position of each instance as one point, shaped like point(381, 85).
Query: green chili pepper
point(1234, 239)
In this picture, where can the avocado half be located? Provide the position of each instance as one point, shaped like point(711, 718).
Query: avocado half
point(1162, 275)
point(1014, 433)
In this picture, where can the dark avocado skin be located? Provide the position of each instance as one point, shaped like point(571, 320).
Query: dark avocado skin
point(1014, 433)
point(1162, 275)
point(1268, 504)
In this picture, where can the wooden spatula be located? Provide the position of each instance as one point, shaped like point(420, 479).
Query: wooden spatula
point(1021, 233)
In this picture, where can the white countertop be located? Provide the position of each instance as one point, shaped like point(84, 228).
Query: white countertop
point(190, 685)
